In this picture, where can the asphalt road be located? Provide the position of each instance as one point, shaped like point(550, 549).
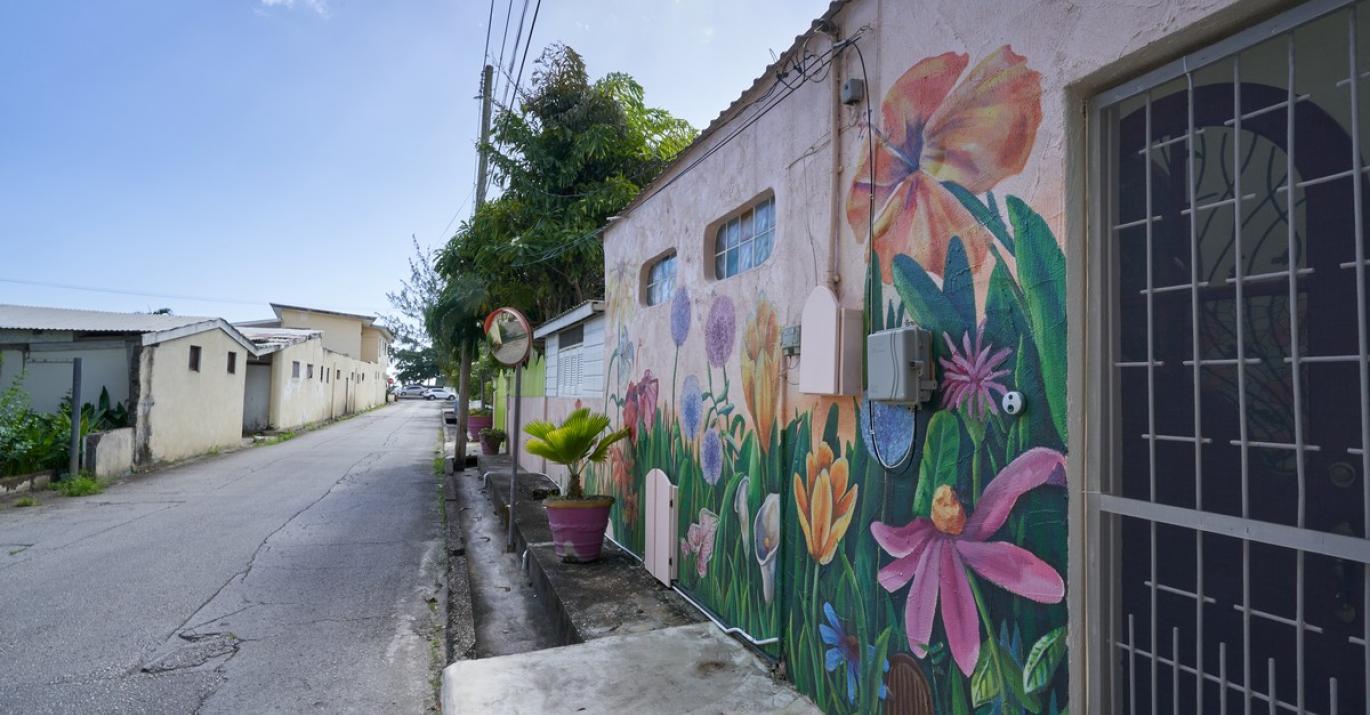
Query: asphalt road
point(295, 577)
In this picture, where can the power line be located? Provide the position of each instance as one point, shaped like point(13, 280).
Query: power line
point(142, 294)
point(519, 80)
point(508, 13)
point(489, 25)
point(518, 38)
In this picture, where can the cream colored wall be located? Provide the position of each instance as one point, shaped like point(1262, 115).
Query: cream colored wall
point(340, 334)
point(302, 400)
point(104, 364)
point(182, 413)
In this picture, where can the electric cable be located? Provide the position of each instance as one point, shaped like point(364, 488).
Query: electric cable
point(873, 276)
point(518, 39)
point(518, 81)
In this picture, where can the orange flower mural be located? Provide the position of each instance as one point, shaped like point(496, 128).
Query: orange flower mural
point(761, 370)
point(975, 134)
point(825, 504)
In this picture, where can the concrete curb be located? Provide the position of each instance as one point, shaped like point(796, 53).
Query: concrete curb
point(461, 619)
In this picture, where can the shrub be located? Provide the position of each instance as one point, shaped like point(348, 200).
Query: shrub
point(26, 501)
point(80, 486)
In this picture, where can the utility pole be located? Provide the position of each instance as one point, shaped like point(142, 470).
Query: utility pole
point(463, 407)
point(75, 466)
point(487, 78)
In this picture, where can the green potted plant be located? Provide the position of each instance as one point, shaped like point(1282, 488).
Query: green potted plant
point(477, 420)
point(490, 440)
point(577, 520)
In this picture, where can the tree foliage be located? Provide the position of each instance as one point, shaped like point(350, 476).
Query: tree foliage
point(574, 154)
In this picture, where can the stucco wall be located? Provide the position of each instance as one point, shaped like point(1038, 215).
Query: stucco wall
point(979, 112)
point(304, 399)
point(110, 453)
point(182, 412)
point(340, 334)
point(104, 364)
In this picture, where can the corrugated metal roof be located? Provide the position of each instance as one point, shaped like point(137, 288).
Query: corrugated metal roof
point(26, 317)
point(277, 337)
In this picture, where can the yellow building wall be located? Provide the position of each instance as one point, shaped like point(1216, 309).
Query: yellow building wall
point(182, 412)
point(340, 334)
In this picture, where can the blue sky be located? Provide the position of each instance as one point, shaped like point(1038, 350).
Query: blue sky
point(249, 151)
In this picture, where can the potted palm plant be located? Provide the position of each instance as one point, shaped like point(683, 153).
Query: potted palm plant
point(490, 440)
point(577, 520)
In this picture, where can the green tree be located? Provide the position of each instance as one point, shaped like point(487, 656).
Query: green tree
point(574, 154)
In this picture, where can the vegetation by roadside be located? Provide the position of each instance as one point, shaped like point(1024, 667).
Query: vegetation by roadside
point(82, 485)
point(26, 501)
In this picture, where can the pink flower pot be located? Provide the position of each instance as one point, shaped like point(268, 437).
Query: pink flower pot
point(578, 526)
point(476, 423)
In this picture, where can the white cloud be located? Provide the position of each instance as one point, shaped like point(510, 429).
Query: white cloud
point(318, 6)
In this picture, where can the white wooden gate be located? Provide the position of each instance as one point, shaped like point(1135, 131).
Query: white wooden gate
point(661, 527)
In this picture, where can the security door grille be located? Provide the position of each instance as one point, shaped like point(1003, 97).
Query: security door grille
point(1232, 504)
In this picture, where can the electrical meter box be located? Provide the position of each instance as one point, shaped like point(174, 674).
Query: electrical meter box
point(899, 366)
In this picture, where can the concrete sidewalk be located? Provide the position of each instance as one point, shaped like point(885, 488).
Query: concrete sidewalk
point(686, 669)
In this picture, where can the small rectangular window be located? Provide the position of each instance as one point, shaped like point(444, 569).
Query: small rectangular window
point(294, 368)
point(661, 280)
point(195, 358)
point(309, 371)
point(338, 375)
point(571, 337)
point(744, 242)
point(232, 362)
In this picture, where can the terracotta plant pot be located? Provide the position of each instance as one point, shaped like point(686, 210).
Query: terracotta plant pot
point(578, 526)
point(476, 423)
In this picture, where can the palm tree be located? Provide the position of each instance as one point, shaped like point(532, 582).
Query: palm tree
point(575, 444)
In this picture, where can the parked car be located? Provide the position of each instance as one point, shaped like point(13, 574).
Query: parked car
point(439, 393)
point(411, 391)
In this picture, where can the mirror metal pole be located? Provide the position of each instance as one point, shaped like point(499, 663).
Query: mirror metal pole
point(514, 449)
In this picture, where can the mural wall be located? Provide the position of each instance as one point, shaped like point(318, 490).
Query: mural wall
point(935, 583)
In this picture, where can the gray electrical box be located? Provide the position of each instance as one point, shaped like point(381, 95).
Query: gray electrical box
point(853, 91)
point(899, 366)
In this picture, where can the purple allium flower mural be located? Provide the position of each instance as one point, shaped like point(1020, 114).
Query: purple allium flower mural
point(720, 330)
point(886, 427)
point(969, 375)
point(625, 354)
point(711, 457)
point(680, 315)
point(844, 647)
point(691, 407)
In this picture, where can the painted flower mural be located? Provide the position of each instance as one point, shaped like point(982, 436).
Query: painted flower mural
point(825, 502)
point(933, 130)
point(844, 648)
point(680, 315)
point(768, 543)
point(691, 408)
point(699, 541)
point(720, 331)
point(711, 457)
point(927, 582)
point(970, 375)
point(935, 553)
point(761, 370)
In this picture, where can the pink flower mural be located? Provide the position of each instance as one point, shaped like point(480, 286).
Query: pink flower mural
point(933, 130)
point(970, 377)
point(699, 541)
point(934, 553)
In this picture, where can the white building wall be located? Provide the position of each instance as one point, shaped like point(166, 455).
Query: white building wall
point(46, 371)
